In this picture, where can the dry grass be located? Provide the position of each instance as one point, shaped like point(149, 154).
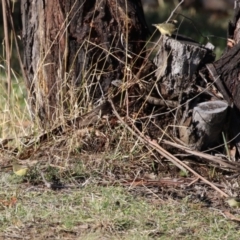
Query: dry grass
point(96, 212)
point(106, 184)
point(95, 195)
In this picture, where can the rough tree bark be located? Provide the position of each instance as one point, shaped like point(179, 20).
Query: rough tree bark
point(73, 49)
point(225, 73)
point(77, 51)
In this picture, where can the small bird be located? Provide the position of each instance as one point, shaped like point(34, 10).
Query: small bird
point(19, 169)
point(233, 202)
point(166, 28)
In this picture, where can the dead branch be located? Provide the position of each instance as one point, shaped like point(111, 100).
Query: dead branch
point(162, 151)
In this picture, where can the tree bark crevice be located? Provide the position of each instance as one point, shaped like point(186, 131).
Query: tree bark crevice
point(74, 49)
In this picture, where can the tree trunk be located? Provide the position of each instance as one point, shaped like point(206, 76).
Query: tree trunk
point(74, 49)
point(225, 73)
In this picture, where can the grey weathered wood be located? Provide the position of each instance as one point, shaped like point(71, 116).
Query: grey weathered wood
point(178, 61)
point(208, 121)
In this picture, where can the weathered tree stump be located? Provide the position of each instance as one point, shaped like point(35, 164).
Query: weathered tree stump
point(177, 77)
point(178, 62)
point(208, 123)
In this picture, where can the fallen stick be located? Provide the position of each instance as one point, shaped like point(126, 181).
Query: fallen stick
point(162, 151)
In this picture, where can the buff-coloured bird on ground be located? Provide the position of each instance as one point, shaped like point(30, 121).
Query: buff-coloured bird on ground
point(19, 169)
point(233, 202)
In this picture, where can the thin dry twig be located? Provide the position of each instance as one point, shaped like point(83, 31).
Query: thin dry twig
point(174, 10)
point(47, 184)
point(143, 138)
point(162, 151)
point(220, 161)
